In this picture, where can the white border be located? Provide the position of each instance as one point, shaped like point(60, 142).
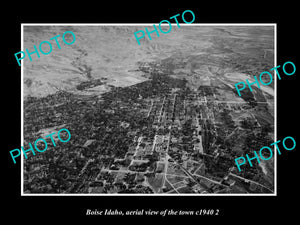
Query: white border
point(151, 24)
point(275, 109)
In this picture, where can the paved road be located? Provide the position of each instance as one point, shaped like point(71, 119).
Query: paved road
point(251, 181)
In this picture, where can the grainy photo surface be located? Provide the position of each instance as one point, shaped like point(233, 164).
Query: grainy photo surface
point(162, 117)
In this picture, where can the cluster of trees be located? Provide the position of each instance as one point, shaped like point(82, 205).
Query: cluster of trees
point(89, 84)
point(227, 119)
point(247, 95)
point(158, 85)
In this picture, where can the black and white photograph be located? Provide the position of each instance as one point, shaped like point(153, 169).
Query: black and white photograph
point(159, 117)
point(145, 113)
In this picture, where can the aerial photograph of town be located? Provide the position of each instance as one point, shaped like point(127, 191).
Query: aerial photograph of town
point(162, 117)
